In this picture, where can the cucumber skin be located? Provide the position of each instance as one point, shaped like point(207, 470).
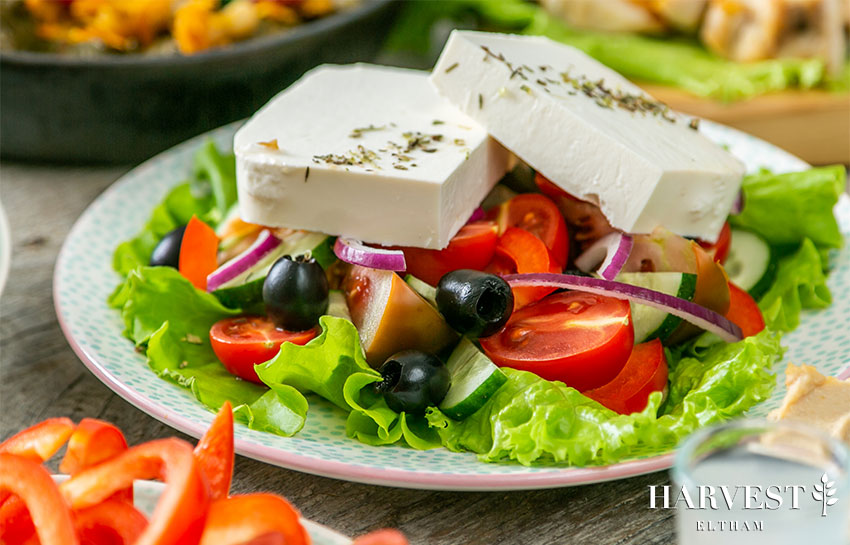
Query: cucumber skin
point(670, 323)
point(462, 410)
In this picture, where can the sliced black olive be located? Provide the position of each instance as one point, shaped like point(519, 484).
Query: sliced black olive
point(295, 293)
point(167, 251)
point(476, 304)
point(413, 381)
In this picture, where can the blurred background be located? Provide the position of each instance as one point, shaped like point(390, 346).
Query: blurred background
point(116, 81)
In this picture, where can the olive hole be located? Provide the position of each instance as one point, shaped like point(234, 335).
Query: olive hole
point(391, 373)
point(490, 305)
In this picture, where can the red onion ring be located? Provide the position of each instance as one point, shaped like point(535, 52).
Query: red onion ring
point(355, 252)
point(266, 242)
point(612, 251)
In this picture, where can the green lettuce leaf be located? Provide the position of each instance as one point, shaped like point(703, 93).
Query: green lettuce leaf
point(170, 320)
point(800, 284)
point(788, 208)
point(531, 420)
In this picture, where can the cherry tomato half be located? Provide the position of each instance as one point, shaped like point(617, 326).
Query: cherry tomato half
point(244, 341)
point(471, 248)
point(645, 372)
point(719, 250)
point(744, 311)
point(538, 215)
point(579, 338)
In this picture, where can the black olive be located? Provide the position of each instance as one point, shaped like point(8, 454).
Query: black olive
point(295, 293)
point(167, 251)
point(413, 381)
point(476, 304)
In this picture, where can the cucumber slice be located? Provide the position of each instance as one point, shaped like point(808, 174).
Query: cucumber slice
point(337, 305)
point(424, 289)
point(474, 380)
point(247, 289)
point(652, 323)
point(751, 264)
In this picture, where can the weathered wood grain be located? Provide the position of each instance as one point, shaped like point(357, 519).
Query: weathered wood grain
point(41, 377)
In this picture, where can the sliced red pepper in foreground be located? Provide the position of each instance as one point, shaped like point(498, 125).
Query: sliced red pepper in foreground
point(214, 453)
point(645, 372)
point(179, 516)
point(112, 522)
point(41, 441)
point(30, 481)
point(245, 519)
point(382, 537)
point(93, 442)
point(198, 252)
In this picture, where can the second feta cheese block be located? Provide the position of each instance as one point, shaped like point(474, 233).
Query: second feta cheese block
point(367, 152)
point(591, 132)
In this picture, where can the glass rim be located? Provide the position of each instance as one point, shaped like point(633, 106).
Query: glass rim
point(681, 471)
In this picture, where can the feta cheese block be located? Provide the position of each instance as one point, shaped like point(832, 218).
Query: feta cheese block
point(368, 152)
point(591, 132)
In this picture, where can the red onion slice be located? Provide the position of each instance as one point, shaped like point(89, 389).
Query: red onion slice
point(355, 252)
point(266, 242)
point(477, 214)
point(738, 205)
point(612, 251)
point(687, 310)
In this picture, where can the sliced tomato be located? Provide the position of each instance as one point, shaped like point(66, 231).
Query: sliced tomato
point(719, 250)
point(385, 536)
point(585, 221)
point(29, 480)
point(214, 453)
point(645, 372)
point(579, 338)
point(112, 522)
point(518, 251)
point(253, 518)
point(471, 248)
point(181, 512)
point(744, 311)
point(198, 252)
point(538, 215)
point(244, 341)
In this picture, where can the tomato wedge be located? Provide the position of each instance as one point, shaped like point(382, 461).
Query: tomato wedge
point(518, 251)
point(579, 338)
point(113, 522)
point(198, 252)
point(645, 372)
point(244, 341)
point(214, 453)
point(719, 250)
point(538, 215)
point(253, 518)
point(471, 248)
point(30, 481)
point(91, 443)
point(744, 311)
point(179, 516)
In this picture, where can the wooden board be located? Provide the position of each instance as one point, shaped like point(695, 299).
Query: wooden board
point(814, 125)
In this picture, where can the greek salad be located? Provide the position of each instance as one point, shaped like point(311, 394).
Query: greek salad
point(538, 333)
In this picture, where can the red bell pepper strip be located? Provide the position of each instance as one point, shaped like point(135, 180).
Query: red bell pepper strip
point(198, 252)
point(30, 481)
point(382, 537)
point(15, 522)
point(91, 443)
point(529, 255)
point(214, 453)
point(244, 519)
point(181, 512)
point(744, 311)
point(38, 443)
point(113, 522)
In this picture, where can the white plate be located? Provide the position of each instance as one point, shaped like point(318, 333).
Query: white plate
point(84, 278)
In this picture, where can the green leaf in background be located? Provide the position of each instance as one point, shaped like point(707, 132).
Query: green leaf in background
point(785, 209)
point(675, 61)
point(800, 284)
point(220, 172)
point(532, 420)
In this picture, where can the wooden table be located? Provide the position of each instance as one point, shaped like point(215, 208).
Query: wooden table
point(41, 377)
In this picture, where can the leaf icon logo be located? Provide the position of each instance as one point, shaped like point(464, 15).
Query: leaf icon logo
point(823, 493)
